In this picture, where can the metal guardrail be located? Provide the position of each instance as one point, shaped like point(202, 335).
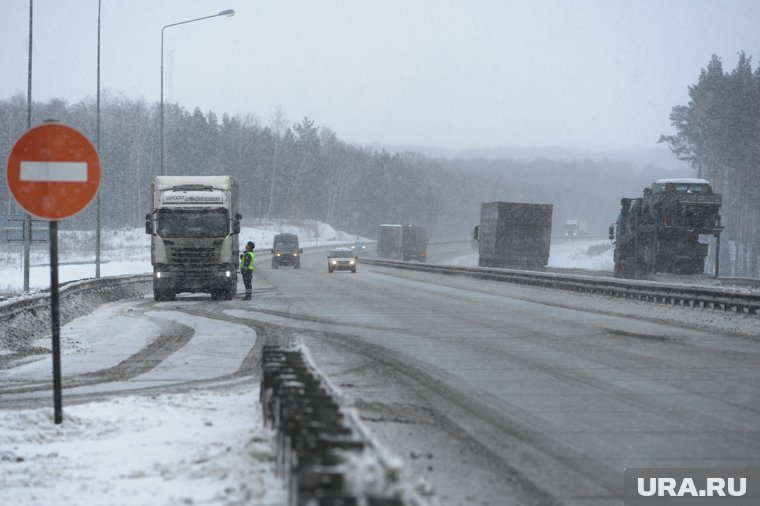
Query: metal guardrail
point(28, 316)
point(323, 455)
point(678, 295)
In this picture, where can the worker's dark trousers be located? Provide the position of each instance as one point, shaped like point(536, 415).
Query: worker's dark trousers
point(247, 277)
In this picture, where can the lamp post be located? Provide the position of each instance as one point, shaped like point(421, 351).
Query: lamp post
point(228, 13)
point(97, 145)
point(27, 229)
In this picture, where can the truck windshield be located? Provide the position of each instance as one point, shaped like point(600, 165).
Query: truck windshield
point(691, 188)
point(285, 247)
point(192, 223)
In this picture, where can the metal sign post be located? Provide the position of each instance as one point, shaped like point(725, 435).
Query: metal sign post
point(56, 323)
point(54, 173)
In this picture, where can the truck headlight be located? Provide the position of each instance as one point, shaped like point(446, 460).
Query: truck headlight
point(158, 275)
point(334, 262)
point(351, 262)
point(228, 273)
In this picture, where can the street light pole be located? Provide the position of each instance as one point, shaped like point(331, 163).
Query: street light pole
point(97, 145)
point(27, 228)
point(228, 13)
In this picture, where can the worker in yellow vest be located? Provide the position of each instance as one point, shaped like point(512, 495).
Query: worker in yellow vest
point(246, 268)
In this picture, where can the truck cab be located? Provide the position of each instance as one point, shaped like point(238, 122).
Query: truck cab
point(194, 227)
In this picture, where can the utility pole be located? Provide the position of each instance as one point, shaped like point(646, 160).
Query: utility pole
point(97, 146)
point(27, 228)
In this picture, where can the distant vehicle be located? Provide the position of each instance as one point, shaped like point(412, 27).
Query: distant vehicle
point(576, 228)
point(402, 242)
point(389, 241)
point(514, 235)
point(341, 259)
point(286, 251)
point(660, 231)
point(358, 246)
point(194, 227)
point(414, 241)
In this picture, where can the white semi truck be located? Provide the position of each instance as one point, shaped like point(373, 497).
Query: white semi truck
point(194, 227)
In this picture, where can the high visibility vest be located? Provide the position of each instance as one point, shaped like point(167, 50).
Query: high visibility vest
point(250, 264)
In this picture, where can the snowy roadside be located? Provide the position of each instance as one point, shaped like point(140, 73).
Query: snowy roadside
point(202, 447)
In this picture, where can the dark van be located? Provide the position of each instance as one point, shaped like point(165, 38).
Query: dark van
point(285, 251)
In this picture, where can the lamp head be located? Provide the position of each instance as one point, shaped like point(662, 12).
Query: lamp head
point(228, 13)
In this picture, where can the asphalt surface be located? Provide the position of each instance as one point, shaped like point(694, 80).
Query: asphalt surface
point(497, 394)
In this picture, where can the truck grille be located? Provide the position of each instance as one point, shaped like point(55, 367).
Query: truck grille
point(195, 258)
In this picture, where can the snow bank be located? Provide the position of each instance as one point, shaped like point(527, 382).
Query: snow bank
point(204, 447)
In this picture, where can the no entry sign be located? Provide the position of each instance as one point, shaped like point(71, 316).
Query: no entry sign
point(53, 171)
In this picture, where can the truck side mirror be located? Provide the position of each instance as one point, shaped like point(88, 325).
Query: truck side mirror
point(612, 232)
point(475, 233)
point(148, 224)
point(236, 223)
point(300, 250)
point(271, 250)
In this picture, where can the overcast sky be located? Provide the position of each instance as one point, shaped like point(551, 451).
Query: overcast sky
point(440, 73)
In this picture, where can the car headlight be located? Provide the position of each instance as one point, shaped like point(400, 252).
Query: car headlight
point(334, 262)
point(351, 262)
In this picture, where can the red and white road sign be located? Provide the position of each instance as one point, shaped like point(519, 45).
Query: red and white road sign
point(53, 171)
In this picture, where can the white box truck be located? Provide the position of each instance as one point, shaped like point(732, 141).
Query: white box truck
point(194, 227)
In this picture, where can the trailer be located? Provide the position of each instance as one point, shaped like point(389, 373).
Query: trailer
point(514, 235)
point(666, 229)
point(389, 241)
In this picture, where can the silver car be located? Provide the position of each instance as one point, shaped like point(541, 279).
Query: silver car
point(341, 259)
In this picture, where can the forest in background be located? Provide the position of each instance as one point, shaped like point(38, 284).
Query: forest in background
point(304, 171)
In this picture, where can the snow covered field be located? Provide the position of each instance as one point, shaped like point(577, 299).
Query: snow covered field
point(587, 254)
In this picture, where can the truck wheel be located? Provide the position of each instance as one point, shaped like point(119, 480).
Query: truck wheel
point(161, 295)
point(274, 265)
point(329, 270)
point(353, 271)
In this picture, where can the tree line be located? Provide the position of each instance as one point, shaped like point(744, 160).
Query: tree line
point(301, 171)
point(304, 171)
point(718, 133)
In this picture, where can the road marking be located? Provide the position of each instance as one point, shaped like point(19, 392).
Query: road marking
point(65, 172)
